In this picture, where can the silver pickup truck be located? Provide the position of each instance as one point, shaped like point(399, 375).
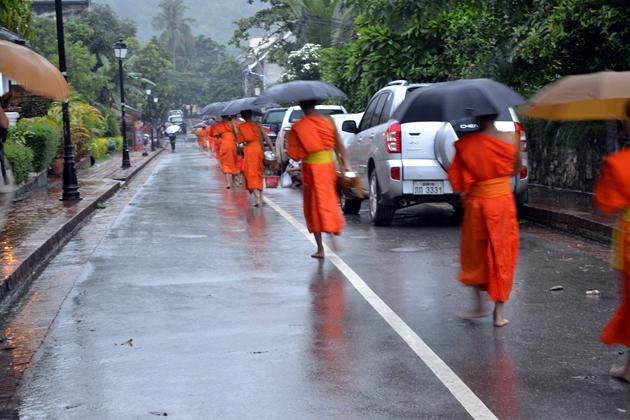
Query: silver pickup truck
point(401, 165)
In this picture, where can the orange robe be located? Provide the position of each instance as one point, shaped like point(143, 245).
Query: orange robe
point(482, 169)
point(612, 195)
point(201, 137)
point(313, 138)
point(227, 150)
point(253, 166)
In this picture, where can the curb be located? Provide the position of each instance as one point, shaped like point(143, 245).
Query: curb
point(136, 169)
point(12, 285)
point(568, 223)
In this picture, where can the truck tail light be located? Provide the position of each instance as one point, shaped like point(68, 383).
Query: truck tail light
point(392, 138)
point(524, 172)
point(520, 134)
point(395, 173)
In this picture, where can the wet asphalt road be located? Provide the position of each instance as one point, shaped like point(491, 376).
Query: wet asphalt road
point(230, 319)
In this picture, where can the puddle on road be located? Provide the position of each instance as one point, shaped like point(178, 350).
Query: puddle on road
point(189, 236)
point(410, 249)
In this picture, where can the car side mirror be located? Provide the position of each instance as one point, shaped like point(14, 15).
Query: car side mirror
point(349, 126)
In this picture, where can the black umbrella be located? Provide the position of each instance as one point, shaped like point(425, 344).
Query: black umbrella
point(243, 104)
point(458, 99)
point(300, 90)
point(214, 108)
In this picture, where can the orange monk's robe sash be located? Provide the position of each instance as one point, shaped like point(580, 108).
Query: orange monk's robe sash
point(491, 188)
point(318, 158)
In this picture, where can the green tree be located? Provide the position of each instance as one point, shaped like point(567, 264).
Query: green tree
point(322, 22)
point(105, 29)
point(176, 33)
point(16, 16)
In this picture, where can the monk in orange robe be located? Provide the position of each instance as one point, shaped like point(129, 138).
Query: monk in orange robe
point(251, 133)
point(226, 132)
point(201, 137)
point(612, 195)
point(482, 169)
point(313, 140)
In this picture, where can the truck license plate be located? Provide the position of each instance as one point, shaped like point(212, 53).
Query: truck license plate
point(428, 187)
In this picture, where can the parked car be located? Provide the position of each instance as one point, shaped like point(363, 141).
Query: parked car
point(292, 115)
point(402, 165)
point(176, 112)
point(178, 120)
point(271, 122)
point(339, 119)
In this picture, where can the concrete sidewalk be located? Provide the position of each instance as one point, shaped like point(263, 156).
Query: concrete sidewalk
point(40, 224)
point(570, 211)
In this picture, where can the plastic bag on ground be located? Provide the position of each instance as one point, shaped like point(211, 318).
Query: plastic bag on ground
point(285, 180)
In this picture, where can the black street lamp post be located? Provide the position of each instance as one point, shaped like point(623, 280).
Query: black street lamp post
point(120, 51)
point(149, 118)
point(70, 183)
point(155, 121)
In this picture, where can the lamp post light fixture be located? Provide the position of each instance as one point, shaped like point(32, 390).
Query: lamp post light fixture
point(120, 52)
point(70, 183)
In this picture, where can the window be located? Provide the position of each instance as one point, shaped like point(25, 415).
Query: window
point(387, 109)
point(378, 109)
point(369, 113)
point(275, 117)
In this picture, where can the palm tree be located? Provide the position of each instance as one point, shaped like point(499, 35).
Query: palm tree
point(176, 33)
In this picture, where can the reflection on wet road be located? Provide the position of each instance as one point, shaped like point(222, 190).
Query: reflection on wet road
point(230, 318)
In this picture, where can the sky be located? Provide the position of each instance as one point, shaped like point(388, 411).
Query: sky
point(214, 18)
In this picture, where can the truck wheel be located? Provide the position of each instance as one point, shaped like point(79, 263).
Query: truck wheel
point(350, 205)
point(380, 214)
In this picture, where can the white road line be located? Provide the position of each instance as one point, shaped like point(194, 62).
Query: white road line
point(471, 403)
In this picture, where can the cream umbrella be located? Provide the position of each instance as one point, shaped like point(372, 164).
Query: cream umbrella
point(32, 71)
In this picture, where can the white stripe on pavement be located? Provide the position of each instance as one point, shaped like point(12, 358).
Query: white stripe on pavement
point(471, 403)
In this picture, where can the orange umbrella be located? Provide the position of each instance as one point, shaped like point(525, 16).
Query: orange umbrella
point(596, 96)
point(32, 71)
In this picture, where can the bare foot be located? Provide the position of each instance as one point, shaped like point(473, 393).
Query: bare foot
point(621, 373)
point(318, 255)
point(501, 323)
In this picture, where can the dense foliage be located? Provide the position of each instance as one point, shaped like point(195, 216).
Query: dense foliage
point(42, 136)
point(19, 155)
point(15, 15)
point(525, 44)
point(202, 70)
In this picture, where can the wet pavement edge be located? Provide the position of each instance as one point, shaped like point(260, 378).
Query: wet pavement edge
point(16, 283)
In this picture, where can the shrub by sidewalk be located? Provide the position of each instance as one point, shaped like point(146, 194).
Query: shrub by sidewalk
point(20, 158)
point(43, 138)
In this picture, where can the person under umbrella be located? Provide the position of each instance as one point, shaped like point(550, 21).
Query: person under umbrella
point(313, 140)
point(612, 195)
point(226, 134)
point(252, 134)
point(481, 171)
point(601, 96)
